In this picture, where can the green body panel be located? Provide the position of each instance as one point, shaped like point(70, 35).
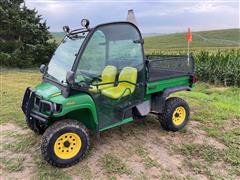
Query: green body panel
point(118, 124)
point(80, 107)
point(97, 111)
point(153, 87)
point(46, 90)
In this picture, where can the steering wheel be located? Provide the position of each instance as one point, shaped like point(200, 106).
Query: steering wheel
point(96, 79)
point(90, 77)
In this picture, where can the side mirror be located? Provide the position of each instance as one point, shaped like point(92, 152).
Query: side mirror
point(70, 77)
point(42, 68)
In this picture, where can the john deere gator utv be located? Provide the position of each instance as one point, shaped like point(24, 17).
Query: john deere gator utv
point(97, 79)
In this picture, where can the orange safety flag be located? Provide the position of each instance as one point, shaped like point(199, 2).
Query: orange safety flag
point(189, 36)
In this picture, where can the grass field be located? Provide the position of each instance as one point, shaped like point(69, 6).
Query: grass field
point(204, 39)
point(209, 148)
point(58, 36)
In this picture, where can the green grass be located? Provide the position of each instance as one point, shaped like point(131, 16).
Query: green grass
point(85, 172)
point(215, 108)
point(200, 158)
point(200, 167)
point(46, 171)
point(58, 36)
point(14, 83)
point(203, 39)
point(12, 164)
point(113, 164)
point(148, 161)
point(196, 151)
point(20, 144)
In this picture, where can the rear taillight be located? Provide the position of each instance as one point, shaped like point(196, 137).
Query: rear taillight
point(194, 79)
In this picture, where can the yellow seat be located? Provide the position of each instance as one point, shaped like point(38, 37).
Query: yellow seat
point(124, 88)
point(108, 75)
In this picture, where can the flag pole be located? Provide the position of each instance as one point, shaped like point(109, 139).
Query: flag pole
point(188, 53)
point(189, 39)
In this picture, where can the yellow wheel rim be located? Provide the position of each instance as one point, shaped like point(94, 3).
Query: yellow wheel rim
point(67, 145)
point(179, 115)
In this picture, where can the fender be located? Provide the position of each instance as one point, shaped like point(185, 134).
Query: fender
point(76, 102)
point(159, 99)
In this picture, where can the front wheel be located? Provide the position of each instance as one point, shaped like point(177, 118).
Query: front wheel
point(65, 143)
point(176, 114)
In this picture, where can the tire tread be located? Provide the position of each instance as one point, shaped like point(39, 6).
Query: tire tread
point(166, 117)
point(55, 127)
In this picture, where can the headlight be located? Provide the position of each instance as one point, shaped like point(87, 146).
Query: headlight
point(57, 108)
point(85, 23)
point(66, 29)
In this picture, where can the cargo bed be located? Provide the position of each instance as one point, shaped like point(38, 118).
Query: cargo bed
point(167, 67)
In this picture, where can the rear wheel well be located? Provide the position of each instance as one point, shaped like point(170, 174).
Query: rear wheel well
point(158, 99)
point(84, 116)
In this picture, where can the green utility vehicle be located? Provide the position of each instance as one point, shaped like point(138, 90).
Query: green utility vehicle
point(99, 78)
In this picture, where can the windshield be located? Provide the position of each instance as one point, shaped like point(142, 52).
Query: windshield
point(64, 57)
point(113, 45)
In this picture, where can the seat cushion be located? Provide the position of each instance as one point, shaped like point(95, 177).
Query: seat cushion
point(128, 74)
point(95, 90)
point(123, 88)
point(108, 75)
point(116, 92)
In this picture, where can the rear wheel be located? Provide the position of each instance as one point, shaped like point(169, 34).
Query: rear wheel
point(65, 143)
point(175, 115)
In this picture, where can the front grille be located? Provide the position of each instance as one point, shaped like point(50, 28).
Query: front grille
point(37, 101)
point(45, 107)
point(31, 101)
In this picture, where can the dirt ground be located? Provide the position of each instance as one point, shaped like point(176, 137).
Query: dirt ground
point(142, 147)
point(208, 148)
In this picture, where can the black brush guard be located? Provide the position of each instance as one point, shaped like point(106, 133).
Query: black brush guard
point(28, 103)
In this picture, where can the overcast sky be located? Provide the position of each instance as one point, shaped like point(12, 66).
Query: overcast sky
point(153, 16)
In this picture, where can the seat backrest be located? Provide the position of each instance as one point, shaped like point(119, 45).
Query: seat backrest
point(128, 74)
point(109, 74)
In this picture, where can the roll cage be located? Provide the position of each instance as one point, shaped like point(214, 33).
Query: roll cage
point(91, 32)
point(66, 88)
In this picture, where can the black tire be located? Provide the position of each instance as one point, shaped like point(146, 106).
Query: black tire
point(53, 133)
point(166, 119)
point(35, 126)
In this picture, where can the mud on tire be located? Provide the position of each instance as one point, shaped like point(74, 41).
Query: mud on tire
point(50, 140)
point(176, 114)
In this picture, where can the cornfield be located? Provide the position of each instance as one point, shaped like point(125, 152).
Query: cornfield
point(221, 67)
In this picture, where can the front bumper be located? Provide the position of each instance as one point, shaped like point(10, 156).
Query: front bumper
point(33, 106)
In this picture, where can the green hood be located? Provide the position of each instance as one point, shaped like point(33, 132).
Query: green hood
point(79, 103)
point(47, 90)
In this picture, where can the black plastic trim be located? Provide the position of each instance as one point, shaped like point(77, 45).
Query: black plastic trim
point(28, 105)
point(39, 118)
point(159, 99)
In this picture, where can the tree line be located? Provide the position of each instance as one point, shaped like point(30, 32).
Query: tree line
point(24, 36)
